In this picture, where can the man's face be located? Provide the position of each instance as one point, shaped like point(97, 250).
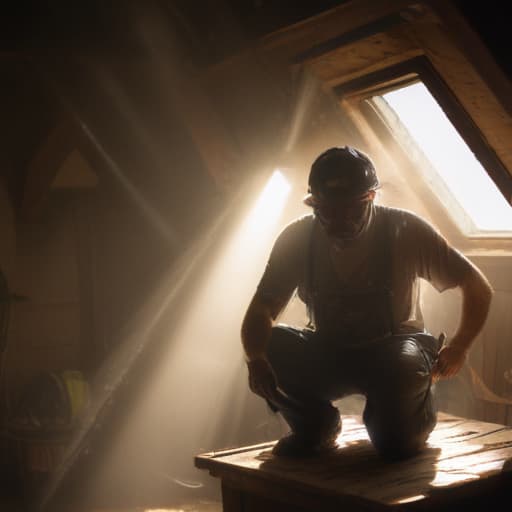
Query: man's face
point(344, 218)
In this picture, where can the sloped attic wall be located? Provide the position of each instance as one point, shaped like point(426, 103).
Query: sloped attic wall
point(85, 253)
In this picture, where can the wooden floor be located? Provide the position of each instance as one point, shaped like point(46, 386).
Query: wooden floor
point(464, 458)
point(12, 505)
point(199, 506)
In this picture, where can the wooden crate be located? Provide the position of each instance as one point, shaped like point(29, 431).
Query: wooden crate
point(466, 462)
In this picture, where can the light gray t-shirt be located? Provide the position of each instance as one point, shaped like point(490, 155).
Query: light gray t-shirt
point(304, 259)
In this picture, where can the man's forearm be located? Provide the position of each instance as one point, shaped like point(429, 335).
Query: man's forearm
point(256, 330)
point(476, 300)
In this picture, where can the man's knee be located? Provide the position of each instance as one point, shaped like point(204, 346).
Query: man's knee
point(290, 358)
point(401, 431)
point(281, 344)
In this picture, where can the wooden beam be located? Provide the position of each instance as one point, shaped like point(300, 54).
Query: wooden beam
point(292, 41)
point(205, 126)
point(375, 52)
point(378, 26)
point(470, 44)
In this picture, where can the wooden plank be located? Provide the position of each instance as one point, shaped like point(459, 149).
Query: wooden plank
point(459, 451)
point(470, 44)
point(374, 53)
point(291, 41)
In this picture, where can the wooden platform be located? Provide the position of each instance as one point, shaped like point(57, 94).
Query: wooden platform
point(466, 463)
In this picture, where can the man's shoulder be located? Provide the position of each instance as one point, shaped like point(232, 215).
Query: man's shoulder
point(290, 246)
point(300, 225)
point(407, 226)
point(401, 216)
point(394, 212)
point(296, 233)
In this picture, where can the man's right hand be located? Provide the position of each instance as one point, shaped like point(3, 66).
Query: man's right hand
point(262, 379)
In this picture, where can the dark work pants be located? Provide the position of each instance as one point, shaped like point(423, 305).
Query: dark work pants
point(393, 373)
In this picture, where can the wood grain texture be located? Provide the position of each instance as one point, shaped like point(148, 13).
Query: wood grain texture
point(463, 457)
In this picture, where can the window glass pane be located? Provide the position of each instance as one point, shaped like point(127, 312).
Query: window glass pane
point(449, 155)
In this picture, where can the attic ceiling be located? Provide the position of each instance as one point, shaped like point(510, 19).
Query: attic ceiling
point(57, 42)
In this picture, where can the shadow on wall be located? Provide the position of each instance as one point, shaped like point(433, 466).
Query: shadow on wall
point(7, 235)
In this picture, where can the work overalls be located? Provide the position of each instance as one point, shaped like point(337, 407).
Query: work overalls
point(361, 355)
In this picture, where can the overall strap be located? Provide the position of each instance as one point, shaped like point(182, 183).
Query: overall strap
point(383, 254)
point(310, 274)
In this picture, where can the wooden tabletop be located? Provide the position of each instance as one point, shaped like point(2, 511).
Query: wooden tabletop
point(462, 456)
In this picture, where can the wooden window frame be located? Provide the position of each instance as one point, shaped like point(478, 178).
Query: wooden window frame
point(420, 68)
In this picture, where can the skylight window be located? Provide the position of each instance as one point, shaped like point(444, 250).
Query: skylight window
point(456, 174)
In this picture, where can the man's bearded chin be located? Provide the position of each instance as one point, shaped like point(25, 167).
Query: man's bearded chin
point(343, 236)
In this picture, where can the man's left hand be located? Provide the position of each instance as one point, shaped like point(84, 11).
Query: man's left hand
point(450, 360)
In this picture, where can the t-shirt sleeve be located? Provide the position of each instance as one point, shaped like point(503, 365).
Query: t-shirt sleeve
point(435, 259)
point(284, 267)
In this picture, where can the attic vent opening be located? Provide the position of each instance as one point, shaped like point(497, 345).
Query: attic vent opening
point(450, 168)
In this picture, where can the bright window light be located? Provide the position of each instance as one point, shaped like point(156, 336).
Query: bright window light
point(463, 175)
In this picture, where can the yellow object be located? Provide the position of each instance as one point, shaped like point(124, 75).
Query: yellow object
point(78, 391)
